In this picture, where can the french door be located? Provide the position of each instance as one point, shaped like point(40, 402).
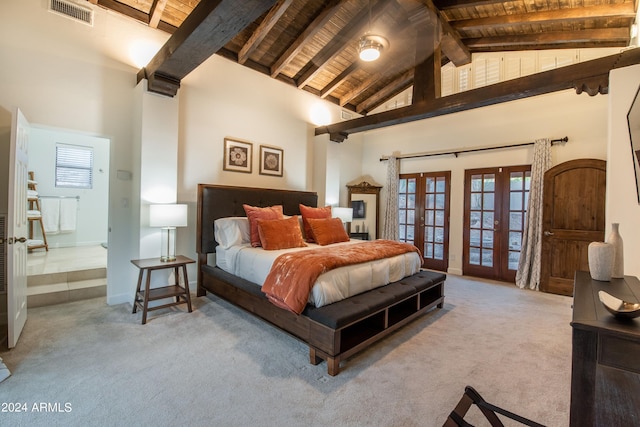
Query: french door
point(495, 204)
point(423, 213)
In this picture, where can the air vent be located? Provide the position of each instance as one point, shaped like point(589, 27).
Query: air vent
point(72, 10)
point(346, 116)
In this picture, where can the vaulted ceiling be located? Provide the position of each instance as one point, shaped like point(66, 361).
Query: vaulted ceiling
point(312, 44)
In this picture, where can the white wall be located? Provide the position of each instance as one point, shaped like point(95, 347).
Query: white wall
point(68, 75)
point(93, 203)
point(222, 99)
point(622, 201)
point(580, 117)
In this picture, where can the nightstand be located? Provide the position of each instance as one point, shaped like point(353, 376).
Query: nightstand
point(361, 236)
point(181, 294)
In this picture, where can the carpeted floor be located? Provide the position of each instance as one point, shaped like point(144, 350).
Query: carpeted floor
point(94, 364)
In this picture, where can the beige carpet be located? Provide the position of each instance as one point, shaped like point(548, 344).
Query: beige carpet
point(93, 364)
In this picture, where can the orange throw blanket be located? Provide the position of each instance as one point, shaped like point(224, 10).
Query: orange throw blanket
point(293, 274)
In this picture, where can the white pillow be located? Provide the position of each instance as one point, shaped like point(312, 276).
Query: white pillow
point(231, 231)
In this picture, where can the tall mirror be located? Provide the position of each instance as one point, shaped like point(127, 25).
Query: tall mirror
point(633, 119)
point(364, 197)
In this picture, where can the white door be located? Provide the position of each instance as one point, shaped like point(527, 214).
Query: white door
point(17, 228)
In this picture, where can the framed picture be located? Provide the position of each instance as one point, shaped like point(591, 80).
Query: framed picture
point(271, 161)
point(238, 155)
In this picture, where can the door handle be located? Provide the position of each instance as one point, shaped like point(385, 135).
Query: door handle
point(548, 233)
point(12, 240)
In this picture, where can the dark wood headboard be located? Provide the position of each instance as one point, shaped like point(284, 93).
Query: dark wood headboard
point(219, 201)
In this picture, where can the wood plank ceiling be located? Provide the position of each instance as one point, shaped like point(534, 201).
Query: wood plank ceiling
point(312, 44)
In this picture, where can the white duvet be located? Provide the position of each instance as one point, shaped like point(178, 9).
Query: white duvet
point(254, 264)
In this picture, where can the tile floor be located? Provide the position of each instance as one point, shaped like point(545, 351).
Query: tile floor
point(59, 260)
point(66, 274)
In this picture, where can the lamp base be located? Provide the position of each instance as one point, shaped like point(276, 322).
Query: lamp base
point(168, 248)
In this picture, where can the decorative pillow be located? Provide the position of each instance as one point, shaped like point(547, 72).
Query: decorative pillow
point(254, 214)
point(308, 213)
point(231, 231)
point(280, 233)
point(328, 230)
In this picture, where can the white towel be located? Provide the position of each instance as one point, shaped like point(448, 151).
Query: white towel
point(50, 209)
point(68, 214)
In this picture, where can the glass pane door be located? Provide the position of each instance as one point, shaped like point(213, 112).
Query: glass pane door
point(435, 217)
point(496, 200)
point(482, 220)
point(423, 210)
point(519, 184)
point(407, 209)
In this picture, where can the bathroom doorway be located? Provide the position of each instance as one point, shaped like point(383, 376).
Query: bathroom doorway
point(67, 259)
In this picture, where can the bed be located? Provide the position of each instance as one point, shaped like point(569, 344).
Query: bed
point(332, 332)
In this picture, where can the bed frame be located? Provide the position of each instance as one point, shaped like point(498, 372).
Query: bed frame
point(333, 332)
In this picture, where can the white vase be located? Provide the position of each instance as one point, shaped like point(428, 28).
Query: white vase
point(618, 254)
point(600, 261)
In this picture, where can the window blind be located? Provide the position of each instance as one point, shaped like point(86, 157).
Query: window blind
point(74, 166)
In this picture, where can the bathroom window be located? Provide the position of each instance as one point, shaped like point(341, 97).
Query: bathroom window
point(74, 166)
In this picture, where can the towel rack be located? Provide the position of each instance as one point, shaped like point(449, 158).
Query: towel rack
point(60, 197)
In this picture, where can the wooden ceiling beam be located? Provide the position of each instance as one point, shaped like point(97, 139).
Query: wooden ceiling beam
point(207, 29)
point(263, 29)
point(255, 66)
point(311, 30)
point(577, 76)
point(426, 76)
point(363, 86)
point(395, 87)
point(450, 42)
point(621, 10)
point(344, 75)
point(348, 33)
point(555, 38)
point(455, 4)
point(156, 11)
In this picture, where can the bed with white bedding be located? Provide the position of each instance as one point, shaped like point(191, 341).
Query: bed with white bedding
point(254, 264)
point(349, 307)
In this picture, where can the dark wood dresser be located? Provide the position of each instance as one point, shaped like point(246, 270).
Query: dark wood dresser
point(605, 373)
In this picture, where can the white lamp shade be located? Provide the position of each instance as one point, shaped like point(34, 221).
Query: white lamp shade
point(171, 215)
point(345, 214)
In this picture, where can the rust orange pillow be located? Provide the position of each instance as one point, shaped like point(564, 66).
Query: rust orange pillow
point(254, 214)
point(280, 233)
point(328, 230)
point(307, 213)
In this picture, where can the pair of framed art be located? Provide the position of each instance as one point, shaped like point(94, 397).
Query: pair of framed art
point(238, 157)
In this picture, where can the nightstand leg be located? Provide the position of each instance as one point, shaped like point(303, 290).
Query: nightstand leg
point(135, 298)
point(145, 305)
point(176, 277)
point(186, 286)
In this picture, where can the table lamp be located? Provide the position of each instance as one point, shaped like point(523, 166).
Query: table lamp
point(168, 216)
point(345, 214)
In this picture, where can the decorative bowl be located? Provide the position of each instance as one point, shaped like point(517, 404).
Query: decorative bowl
point(618, 307)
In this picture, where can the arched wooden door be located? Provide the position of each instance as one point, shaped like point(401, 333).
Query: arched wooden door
point(573, 217)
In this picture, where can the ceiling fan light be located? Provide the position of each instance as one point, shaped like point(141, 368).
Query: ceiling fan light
point(370, 54)
point(369, 47)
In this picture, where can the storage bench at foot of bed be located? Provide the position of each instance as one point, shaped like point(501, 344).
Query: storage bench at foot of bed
point(339, 330)
point(357, 322)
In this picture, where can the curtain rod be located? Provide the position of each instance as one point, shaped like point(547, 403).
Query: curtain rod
point(471, 150)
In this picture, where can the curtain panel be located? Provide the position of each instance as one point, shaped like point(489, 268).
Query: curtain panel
point(390, 230)
point(528, 274)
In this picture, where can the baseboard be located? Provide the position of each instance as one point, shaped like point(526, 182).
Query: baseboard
point(119, 299)
point(456, 271)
